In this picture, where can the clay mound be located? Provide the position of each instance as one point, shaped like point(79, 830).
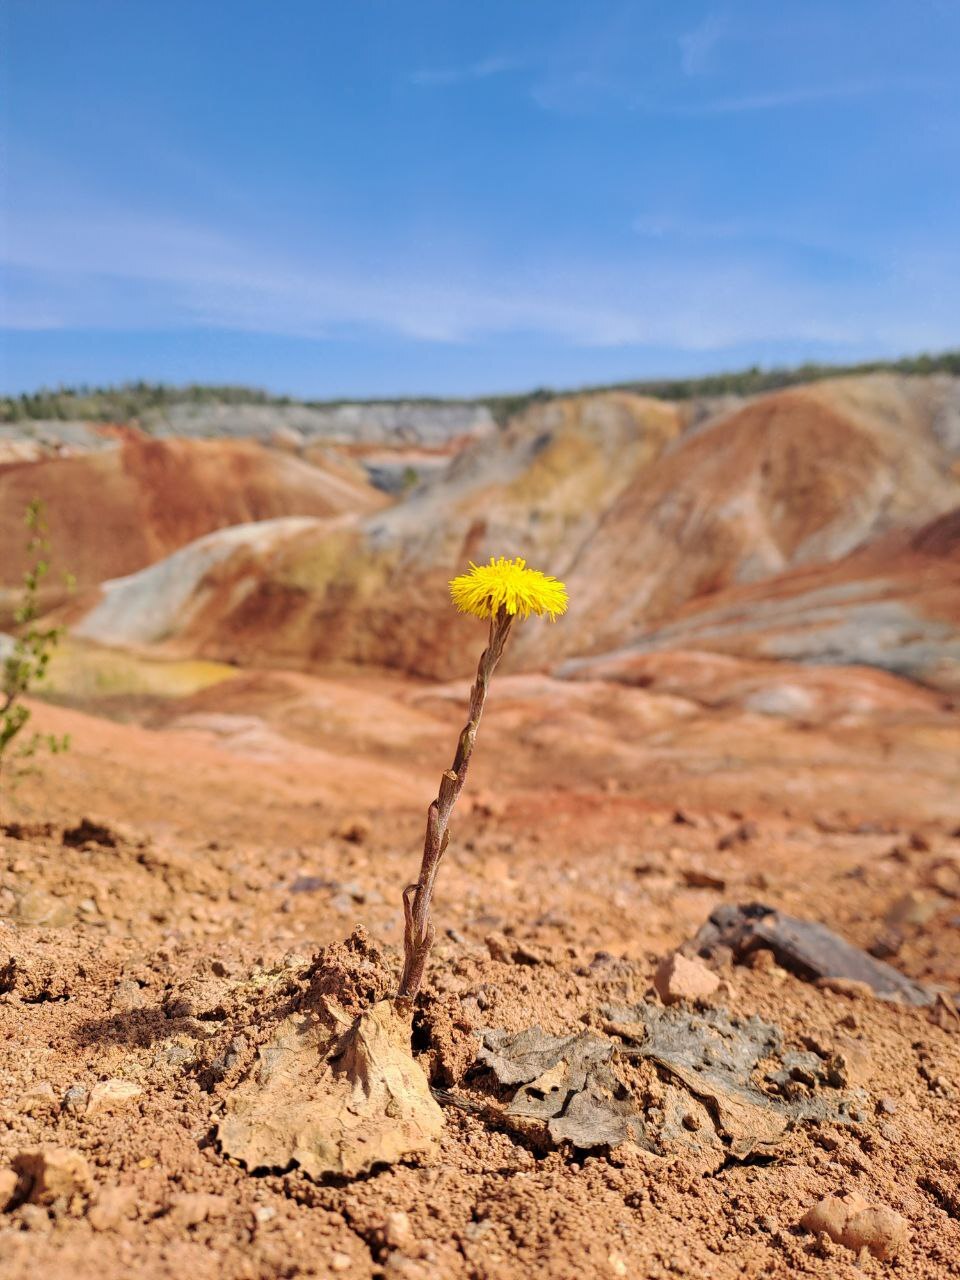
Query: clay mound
point(893, 605)
point(720, 681)
point(646, 512)
point(172, 602)
point(375, 592)
point(114, 511)
point(801, 477)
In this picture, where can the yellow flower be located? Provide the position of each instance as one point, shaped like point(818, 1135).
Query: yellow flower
point(510, 585)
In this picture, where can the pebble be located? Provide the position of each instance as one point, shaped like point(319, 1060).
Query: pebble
point(54, 1173)
point(849, 987)
point(886, 1107)
point(678, 978)
point(75, 1099)
point(881, 1230)
point(110, 1094)
point(397, 1231)
point(340, 1262)
point(40, 1098)
point(854, 1223)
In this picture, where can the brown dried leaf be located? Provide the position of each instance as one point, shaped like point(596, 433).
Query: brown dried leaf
point(333, 1097)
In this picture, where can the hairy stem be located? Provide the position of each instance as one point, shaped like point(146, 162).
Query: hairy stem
point(418, 931)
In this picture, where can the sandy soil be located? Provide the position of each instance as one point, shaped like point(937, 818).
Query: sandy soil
point(153, 944)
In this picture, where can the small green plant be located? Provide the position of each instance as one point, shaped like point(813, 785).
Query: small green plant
point(25, 666)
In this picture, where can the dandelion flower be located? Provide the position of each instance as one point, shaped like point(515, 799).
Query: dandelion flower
point(508, 585)
point(502, 591)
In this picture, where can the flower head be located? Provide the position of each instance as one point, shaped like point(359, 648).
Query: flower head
point(510, 585)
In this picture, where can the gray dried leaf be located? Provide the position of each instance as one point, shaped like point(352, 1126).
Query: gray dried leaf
point(603, 1114)
point(521, 1056)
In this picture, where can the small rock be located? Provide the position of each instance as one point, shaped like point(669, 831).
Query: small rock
point(190, 1208)
point(8, 1187)
point(40, 1098)
point(487, 804)
point(886, 1107)
point(499, 948)
point(52, 1173)
point(850, 1221)
point(264, 1213)
point(700, 878)
point(616, 1264)
point(397, 1232)
point(128, 995)
point(398, 1267)
point(881, 1230)
point(37, 907)
point(769, 1224)
point(831, 1214)
point(110, 1094)
point(678, 978)
point(849, 987)
point(945, 876)
point(340, 1262)
point(75, 1099)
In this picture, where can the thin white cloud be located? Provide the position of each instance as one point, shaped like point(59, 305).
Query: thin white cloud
point(106, 269)
point(482, 70)
point(696, 46)
point(800, 96)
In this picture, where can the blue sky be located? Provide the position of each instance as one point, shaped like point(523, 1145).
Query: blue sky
point(432, 196)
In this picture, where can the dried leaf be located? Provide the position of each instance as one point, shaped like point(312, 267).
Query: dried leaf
point(522, 1056)
point(723, 1086)
point(333, 1097)
point(581, 1100)
point(602, 1115)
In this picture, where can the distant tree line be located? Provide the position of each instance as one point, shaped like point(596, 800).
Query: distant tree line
point(742, 382)
point(134, 400)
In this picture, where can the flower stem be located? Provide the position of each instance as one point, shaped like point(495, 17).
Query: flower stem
point(418, 931)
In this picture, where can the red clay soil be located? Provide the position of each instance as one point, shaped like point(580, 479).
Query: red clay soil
point(648, 524)
point(113, 512)
point(153, 943)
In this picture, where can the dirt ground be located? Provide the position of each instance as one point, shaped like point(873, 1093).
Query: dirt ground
point(167, 885)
